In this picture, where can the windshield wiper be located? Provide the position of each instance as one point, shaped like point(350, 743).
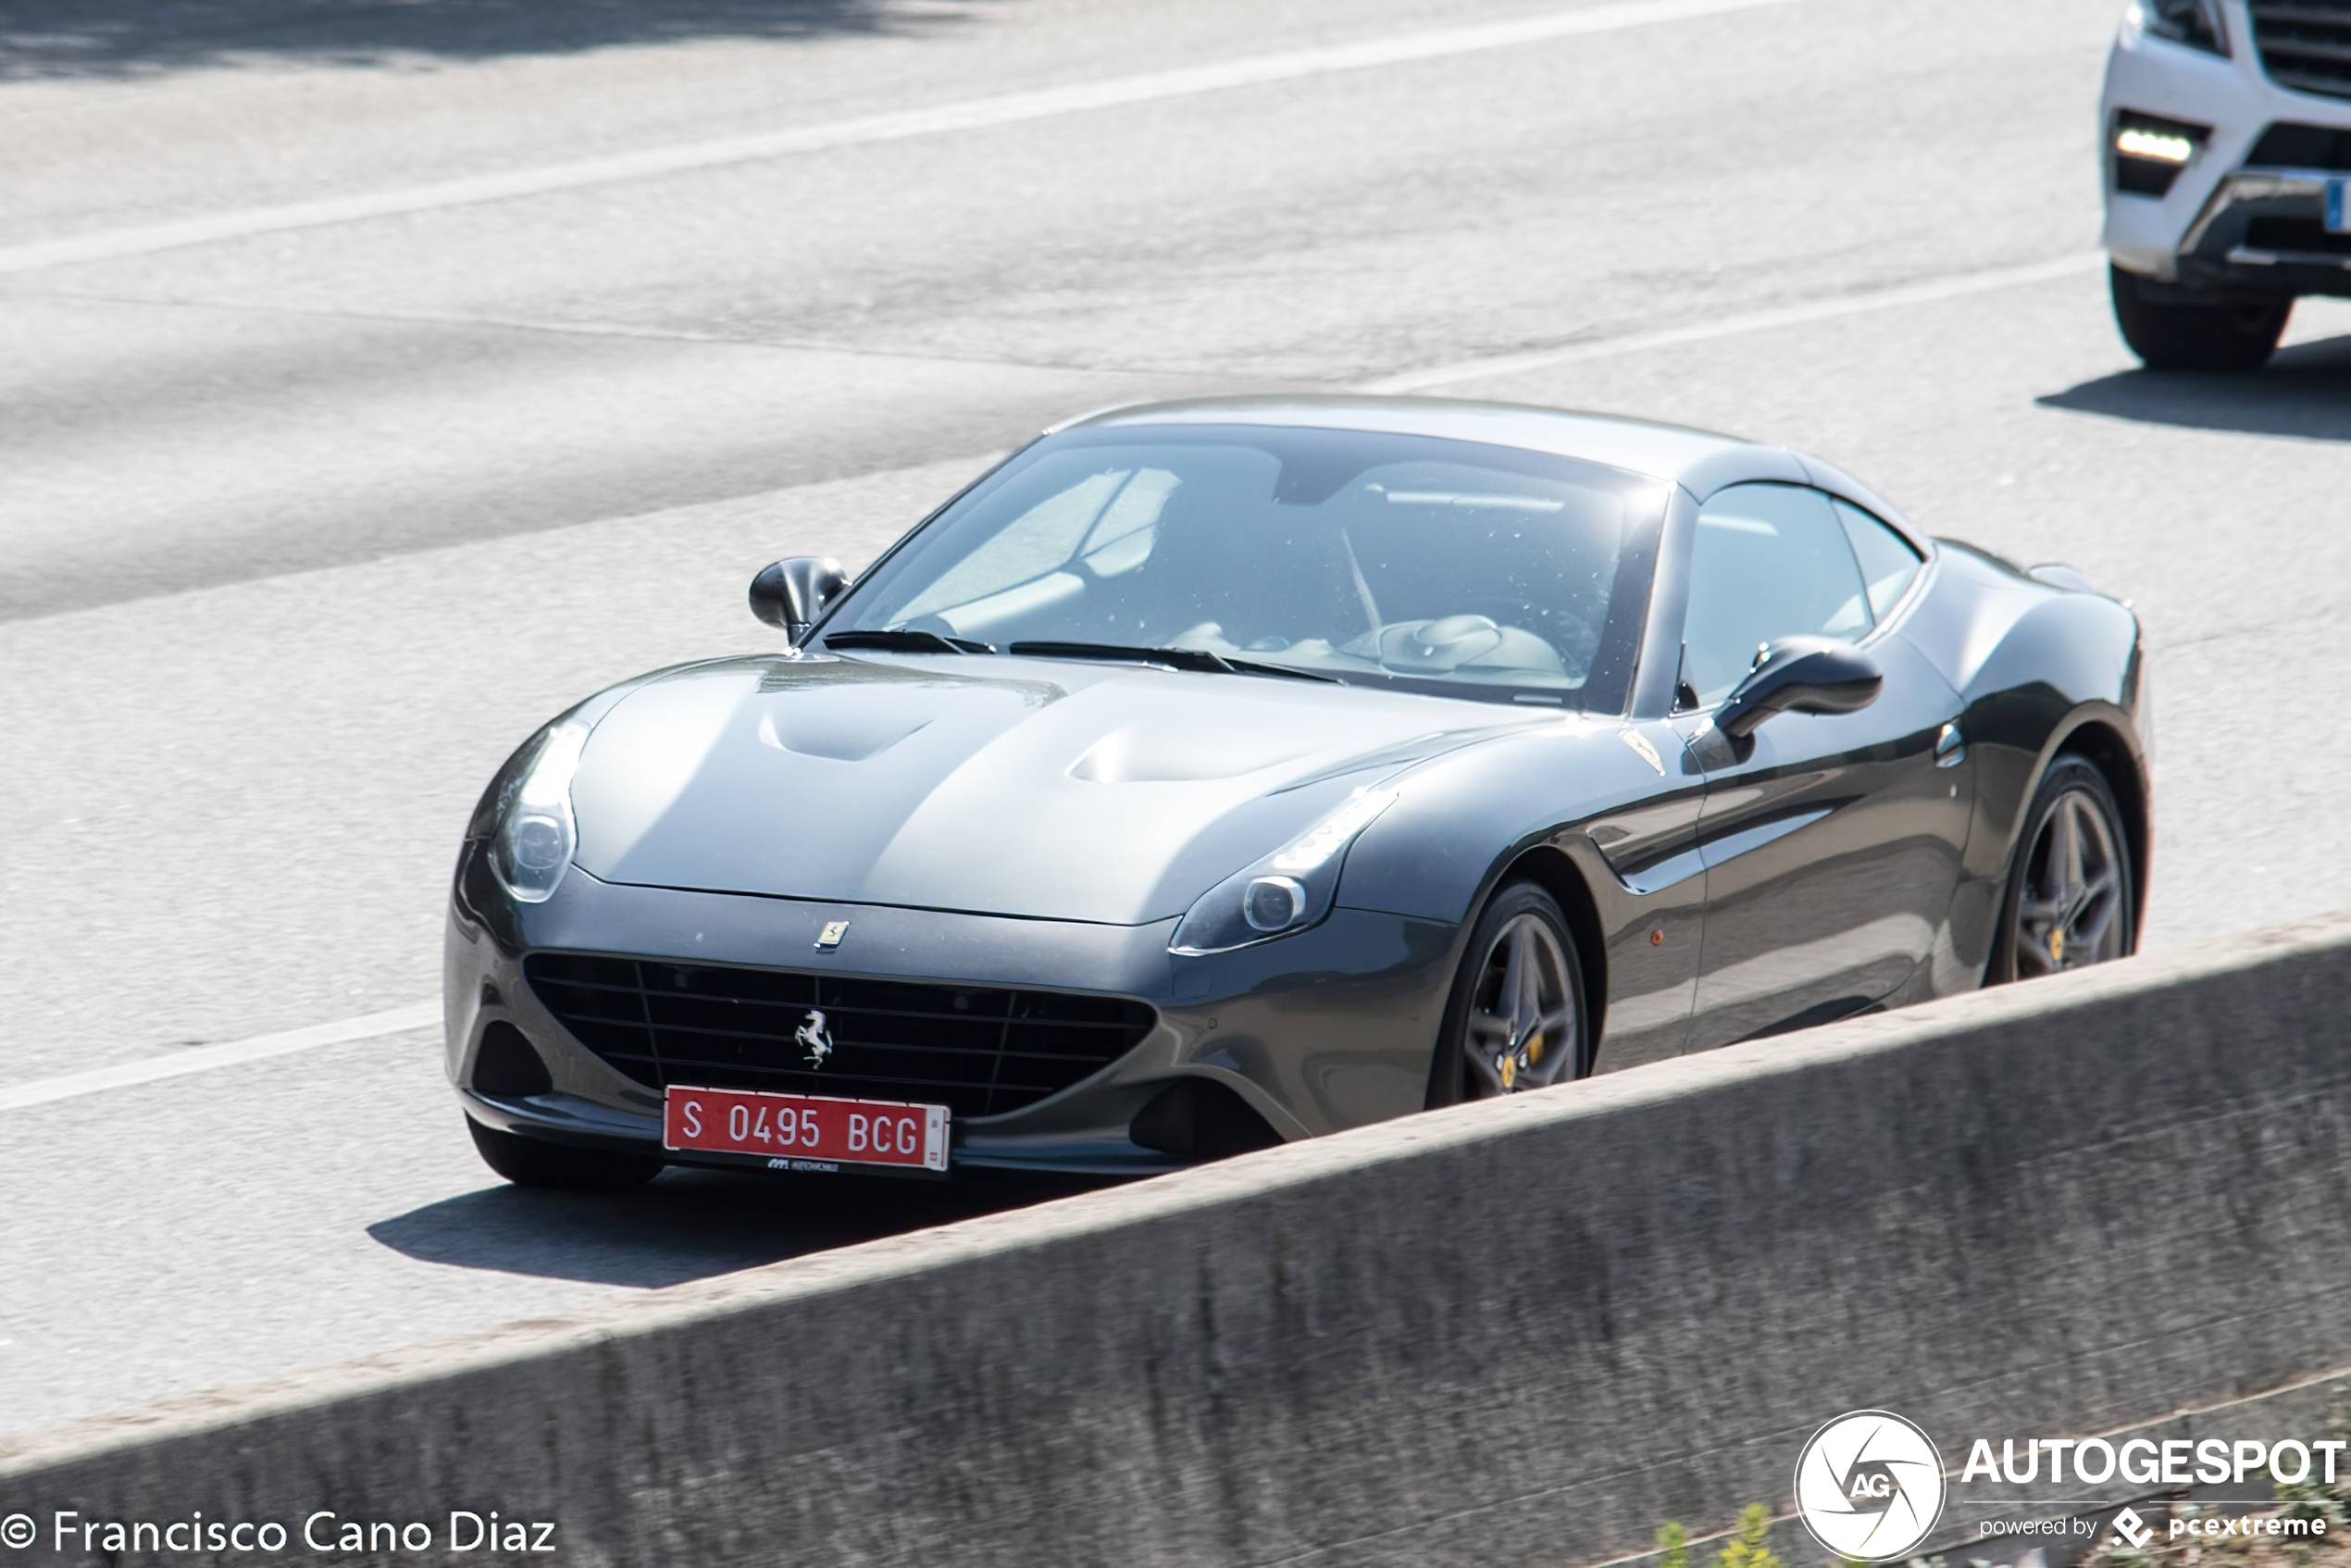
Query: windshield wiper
point(1252, 666)
point(1198, 660)
point(904, 642)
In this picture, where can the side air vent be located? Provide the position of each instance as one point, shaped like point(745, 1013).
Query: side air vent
point(508, 1066)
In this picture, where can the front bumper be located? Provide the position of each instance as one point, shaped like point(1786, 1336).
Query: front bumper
point(1330, 1028)
point(2246, 217)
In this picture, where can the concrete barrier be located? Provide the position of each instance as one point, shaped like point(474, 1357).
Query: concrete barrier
point(1523, 1332)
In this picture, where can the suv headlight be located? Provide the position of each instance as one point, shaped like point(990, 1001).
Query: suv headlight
point(1284, 893)
point(535, 837)
point(2196, 23)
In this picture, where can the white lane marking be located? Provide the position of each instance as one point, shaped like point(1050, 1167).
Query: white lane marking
point(972, 114)
point(1956, 287)
point(203, 1058)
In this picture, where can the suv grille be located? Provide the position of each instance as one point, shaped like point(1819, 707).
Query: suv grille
point(2288, 145)
point(2294, 236)
point(980, 1051)
point(2306, 45)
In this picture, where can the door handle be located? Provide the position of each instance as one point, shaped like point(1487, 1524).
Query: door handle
point(1951, 747)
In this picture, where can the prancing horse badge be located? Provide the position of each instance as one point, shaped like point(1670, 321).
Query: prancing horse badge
point(814, 1039)
point(829, 937)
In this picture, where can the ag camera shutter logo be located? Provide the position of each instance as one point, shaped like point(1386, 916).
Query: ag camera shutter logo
point(1869, 1486)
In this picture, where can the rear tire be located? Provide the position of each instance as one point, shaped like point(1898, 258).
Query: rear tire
point(528, 1161)
point(2197, 337)
point(2071, 900)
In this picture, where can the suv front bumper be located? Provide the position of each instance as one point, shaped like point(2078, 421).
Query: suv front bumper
point(2237, 219)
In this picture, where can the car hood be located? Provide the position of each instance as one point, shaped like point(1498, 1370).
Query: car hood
point(1114, 794)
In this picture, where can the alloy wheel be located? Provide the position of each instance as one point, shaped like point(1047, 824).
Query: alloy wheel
point(1523, 1025)
point(2071, 909)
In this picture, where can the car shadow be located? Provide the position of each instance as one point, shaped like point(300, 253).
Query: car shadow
point(131, 38)
point(686, 1225)
point(2305, 391)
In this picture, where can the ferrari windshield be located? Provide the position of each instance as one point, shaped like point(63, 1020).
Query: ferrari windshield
point(1394, 560)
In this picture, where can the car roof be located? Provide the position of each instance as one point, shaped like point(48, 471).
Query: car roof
point(1698, 460)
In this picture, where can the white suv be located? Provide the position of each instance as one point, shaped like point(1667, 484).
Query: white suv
point(2227, 153)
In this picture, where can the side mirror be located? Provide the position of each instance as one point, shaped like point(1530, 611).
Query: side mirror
point(792, 593)
point(1805, 675)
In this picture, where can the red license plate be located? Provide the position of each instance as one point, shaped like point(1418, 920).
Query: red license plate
point(793, 1130)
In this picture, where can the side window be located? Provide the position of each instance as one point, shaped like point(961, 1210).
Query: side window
point(1771, 561)
point(1887, 561)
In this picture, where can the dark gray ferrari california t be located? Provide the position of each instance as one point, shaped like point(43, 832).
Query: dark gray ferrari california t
point(1213, 774)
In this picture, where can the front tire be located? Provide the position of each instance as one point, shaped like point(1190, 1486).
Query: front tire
point(1517, 1018)
point(2195, 337)
point(2071, 899)
point(528, 1161)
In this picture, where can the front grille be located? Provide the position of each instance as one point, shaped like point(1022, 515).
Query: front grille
point(2288, 145)
point(980, 1051)
point(2307, 236)
point(2306, 45)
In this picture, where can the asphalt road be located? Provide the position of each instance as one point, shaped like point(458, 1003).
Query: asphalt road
point(305, 522)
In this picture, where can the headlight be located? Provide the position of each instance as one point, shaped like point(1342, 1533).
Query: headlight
point(1287, 891)
point(2194, 22)
point(536, 836)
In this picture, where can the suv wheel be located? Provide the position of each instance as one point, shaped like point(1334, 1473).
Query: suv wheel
point(2197, 337)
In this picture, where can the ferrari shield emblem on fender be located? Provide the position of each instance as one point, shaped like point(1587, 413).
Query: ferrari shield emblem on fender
point(1640, 744)
point(829, 937)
